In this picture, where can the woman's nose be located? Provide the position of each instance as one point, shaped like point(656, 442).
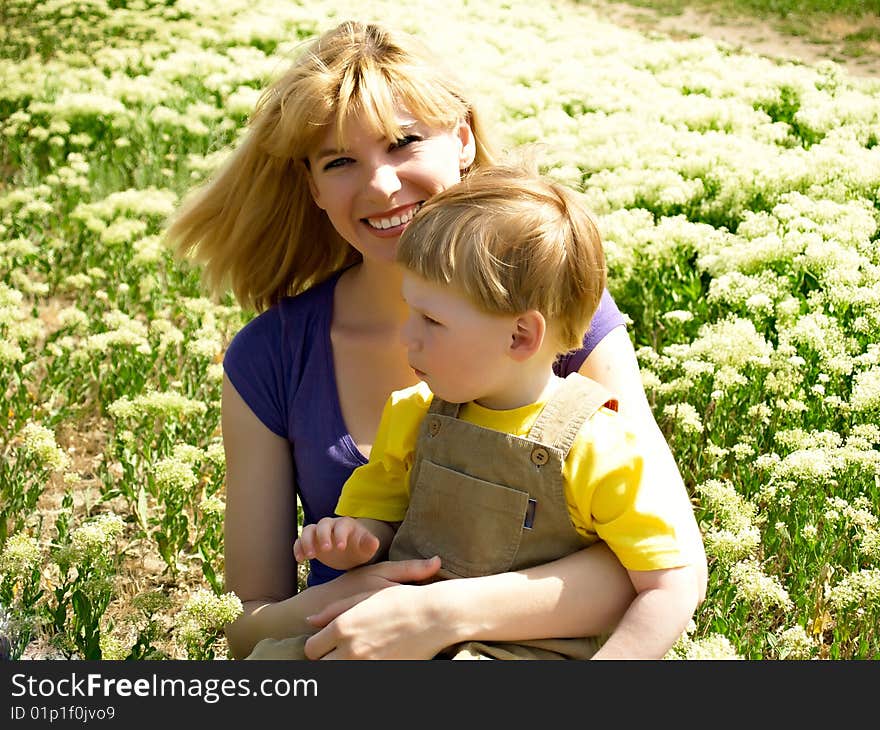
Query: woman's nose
point(384, 180)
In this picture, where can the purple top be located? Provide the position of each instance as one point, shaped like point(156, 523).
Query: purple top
point(281, 364)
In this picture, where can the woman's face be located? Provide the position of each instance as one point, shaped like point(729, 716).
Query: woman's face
point(371, 189)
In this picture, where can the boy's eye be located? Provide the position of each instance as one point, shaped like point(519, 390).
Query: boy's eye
point(404, 141)
point(430, 321)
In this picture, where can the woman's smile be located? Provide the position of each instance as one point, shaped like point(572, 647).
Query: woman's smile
point(394, 221)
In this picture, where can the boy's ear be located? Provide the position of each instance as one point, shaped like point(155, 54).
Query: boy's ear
point(530, 329)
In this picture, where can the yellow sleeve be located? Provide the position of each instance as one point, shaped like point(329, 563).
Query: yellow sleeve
point(380, 488)
point(611, 493)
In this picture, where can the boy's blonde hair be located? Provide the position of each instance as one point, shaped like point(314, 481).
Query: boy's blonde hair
point(511, 241)
point(255, 226)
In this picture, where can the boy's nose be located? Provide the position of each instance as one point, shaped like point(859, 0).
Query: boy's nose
point(407, 334)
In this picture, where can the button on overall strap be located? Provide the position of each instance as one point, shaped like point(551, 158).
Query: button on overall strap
point(575, 401)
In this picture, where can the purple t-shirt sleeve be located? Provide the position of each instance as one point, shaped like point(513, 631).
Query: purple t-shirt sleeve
point(607, 317)
point(281, 365)
point(253, 366)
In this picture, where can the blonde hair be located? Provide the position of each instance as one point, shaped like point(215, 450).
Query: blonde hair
point(511, 241)
point(255, 226)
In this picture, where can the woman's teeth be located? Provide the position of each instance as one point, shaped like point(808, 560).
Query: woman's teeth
point(395, 220)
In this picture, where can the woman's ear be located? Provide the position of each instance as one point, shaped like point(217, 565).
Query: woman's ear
point(468, 150)
point(530, 329)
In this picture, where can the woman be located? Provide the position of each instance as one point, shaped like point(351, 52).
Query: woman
point(303, 222)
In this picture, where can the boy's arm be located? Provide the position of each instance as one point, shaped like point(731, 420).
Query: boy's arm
point(384, 532)
point(664, 604)
point(613, 363)
point(344, 542)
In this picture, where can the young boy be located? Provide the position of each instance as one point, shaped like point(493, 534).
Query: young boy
point(493, 462)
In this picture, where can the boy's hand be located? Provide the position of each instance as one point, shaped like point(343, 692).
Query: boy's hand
point(338, 542)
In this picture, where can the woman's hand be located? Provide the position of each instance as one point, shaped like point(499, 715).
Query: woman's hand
point(356, 585)
point(385, 621)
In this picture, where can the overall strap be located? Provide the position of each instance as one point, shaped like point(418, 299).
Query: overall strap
point(575, 401)
point(441, 407)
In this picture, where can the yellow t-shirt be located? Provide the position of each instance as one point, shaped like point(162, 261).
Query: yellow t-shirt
point(609, 495)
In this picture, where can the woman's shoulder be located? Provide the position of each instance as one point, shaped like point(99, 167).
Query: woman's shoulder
point(294, 315)
point(267, 358)
point(607, 317)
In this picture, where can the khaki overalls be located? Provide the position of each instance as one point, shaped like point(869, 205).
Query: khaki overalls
point(489, 502)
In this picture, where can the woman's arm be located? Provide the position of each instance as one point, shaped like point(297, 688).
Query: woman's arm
point(613, 363)
point(260, 524)
point(583, 594)
point(260, 527)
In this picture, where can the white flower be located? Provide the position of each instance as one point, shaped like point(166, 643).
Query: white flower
point(97, 537)
point(20, 556)
point(686, 417)
point(242, 101)
point(734, 342)
point(205, 614)
point(869, 544)
point(157, 404)
point(866, 391)
point(712, 647)
point(678, 316)
point(123, 231)
point(173, 473)
point(794, 643)
point(39, 442)
point(115, 647)
point(730, 547)
point(10, 352)
point(215, 453)
point(212, 505)
point(818, 465)
point(757, 588)
point(861, 589)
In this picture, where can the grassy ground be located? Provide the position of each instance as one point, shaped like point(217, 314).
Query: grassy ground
point(773, 8)
point(853, 26)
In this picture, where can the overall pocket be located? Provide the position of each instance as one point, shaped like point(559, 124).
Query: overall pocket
point(475, 526)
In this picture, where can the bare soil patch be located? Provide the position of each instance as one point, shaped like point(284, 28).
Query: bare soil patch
point(852, 43)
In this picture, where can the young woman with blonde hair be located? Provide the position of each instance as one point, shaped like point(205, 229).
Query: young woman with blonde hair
point(302, 223)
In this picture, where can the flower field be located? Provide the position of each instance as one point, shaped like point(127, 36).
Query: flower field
point(739, 201)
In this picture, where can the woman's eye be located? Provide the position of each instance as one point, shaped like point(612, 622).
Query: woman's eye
point(337, 162)
point(404, 141)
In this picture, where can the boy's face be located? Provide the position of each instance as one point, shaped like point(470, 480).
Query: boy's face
point(460, 351)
